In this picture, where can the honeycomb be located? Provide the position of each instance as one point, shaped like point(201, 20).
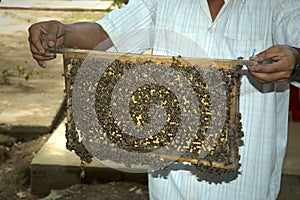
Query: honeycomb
point(183, 112)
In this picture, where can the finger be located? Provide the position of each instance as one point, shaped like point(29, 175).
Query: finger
point(35, 37)
point(271, 77)
point(42, 64)
point(36, 41)
point(274, 53)
point(267, 68)
point(42, 58)
point(34, 51)
point(59, 41)
point(282, 65)
point(60, 32)
point(43, 38)
point(54, 32)
point(47, 44)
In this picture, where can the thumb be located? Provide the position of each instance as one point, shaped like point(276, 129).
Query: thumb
point(51, 43)
point(52, 35)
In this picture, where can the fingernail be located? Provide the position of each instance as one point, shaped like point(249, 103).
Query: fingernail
point(43, 65)
point(51, 43)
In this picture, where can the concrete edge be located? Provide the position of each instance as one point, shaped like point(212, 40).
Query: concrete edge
point(24, 132)
point(46, 178)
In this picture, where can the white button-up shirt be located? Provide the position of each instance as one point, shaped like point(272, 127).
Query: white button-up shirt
point(185, 27)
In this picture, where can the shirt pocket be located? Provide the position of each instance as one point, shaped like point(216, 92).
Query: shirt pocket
point(244, 33)
point(169, 42)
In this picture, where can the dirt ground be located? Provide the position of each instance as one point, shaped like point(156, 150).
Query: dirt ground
point(16, 152)
point(15, 158)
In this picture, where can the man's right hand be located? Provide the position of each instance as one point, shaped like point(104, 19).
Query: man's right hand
point(44, 35)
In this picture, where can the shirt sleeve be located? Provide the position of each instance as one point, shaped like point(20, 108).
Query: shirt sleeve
point(131, 27)
point(286, 22)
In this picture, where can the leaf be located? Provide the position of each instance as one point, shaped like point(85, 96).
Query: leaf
point(21, 69)
point(26, 76)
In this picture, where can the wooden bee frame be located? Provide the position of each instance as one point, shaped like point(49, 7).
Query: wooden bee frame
point(218, 161)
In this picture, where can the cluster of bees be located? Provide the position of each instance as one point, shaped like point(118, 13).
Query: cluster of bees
point(222, 156)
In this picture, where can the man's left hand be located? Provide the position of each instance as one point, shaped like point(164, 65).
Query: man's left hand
point(284, 59)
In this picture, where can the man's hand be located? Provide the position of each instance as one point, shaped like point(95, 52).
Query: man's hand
point(45, 35)
point(284, 59)
point(81, 35)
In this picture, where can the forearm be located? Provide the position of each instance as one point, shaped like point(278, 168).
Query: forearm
point(86, 35)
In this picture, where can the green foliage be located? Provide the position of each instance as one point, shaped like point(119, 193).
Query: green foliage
point(25, 74)
point(118, 4)
point(6, 73)
point(20, 71)
point(18, 179)
point(21, 173)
